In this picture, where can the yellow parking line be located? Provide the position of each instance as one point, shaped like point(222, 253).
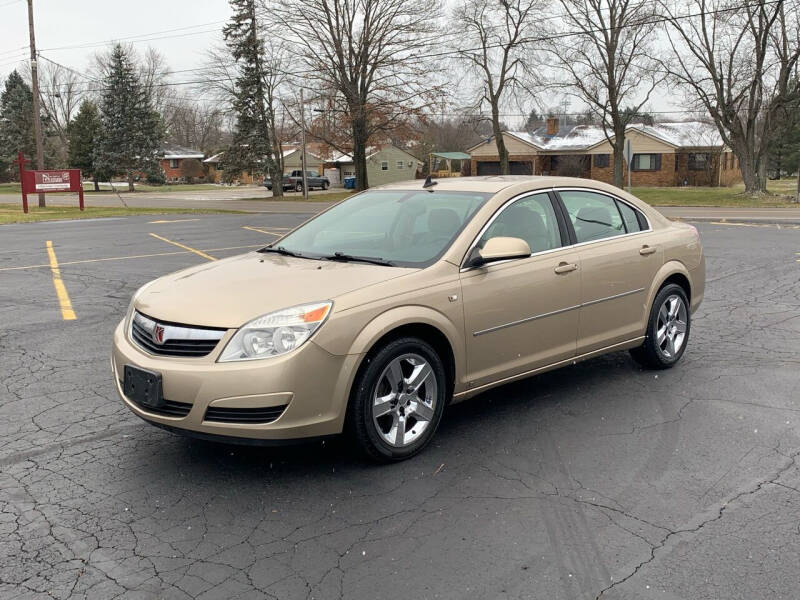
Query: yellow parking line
point(61, 291)
point(189, 248)
point(261, 230)
point(94, 260)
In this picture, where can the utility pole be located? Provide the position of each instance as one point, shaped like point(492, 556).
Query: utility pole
point(37, 122)
point(303, 139)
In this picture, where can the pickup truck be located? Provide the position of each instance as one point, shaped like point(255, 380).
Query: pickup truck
point(294, 181)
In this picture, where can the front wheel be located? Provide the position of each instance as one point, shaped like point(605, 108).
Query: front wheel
point(298, 187)
point(325, 185)
point(667, 329)
point(398, 400)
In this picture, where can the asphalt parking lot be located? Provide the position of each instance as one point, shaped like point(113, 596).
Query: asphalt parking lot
point(599, 480)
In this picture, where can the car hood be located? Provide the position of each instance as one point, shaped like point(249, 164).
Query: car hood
point(230, 292)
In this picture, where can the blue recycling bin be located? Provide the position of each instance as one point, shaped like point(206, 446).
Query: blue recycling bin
point(349, 183)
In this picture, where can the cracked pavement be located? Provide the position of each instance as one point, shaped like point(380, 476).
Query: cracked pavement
point(600, 480)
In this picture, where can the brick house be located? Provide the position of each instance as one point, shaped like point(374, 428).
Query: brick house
point(172, 157)
point(665, 154)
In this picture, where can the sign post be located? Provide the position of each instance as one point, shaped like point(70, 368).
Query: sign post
point(42, 182)
point(628, 153)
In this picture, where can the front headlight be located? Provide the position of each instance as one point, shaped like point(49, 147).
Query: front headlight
point(276, 333)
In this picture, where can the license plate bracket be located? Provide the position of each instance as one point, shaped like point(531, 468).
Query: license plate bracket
point(143, 387)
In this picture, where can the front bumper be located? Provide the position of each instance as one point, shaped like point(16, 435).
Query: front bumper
point(311, 382)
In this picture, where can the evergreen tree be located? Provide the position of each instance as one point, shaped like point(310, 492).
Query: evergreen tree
point(783, 156)
point(83, 133)
point(132, 130)
point(255, 146)
point(16, 124)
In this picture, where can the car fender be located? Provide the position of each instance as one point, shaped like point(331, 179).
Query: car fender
point(668, 269)
point(397, 317)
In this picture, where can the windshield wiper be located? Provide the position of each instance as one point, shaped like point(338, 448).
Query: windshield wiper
point(281, 250)
point(341, 256)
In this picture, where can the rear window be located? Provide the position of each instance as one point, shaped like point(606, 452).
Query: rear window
point(594, 216)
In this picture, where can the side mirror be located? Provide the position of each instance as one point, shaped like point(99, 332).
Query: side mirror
point(499, 248)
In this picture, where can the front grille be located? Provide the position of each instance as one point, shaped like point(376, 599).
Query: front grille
point(178, 340)
point(244, 415)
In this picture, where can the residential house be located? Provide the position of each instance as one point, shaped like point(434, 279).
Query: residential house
point(171, 157)
point(385, 164)
point(664, 154)
point(292, 160)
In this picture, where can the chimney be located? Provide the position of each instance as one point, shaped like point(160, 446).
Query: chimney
point(552, 126)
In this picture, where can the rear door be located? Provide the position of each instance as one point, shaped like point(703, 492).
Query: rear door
point(619, 257)
point(522, 314)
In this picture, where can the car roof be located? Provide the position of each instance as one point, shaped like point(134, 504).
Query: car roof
point(507, 186)
point(497, 183)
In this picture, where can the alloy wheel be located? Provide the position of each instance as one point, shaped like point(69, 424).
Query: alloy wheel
point(671, 326)
point(404, 401)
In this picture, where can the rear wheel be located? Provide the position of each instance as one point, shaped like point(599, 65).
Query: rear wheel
point(398, 400)
point(667, 329)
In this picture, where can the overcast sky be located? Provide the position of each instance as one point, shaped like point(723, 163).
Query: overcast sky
point(62, 23)
point(71, 31)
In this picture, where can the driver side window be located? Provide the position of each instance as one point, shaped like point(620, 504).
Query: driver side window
point(531, 219)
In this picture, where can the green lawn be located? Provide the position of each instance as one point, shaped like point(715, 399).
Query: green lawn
point(13, 188)
point(780, 195)
point(312, 197)
point(12, 213)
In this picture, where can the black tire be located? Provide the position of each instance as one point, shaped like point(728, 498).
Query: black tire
point(298, 187)
point(363, 429)
point(652, 354)
point(325, 185)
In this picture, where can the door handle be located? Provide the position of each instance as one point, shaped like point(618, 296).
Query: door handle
point(645, 250)
point(565, 267)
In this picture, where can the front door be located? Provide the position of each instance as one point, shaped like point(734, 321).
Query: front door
point(522, 314)
point(617, 268)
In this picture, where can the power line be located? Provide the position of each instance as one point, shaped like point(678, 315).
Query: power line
point(142, 37)
point(461, 51)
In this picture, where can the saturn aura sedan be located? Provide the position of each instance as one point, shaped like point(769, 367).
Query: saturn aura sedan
point(376, 314)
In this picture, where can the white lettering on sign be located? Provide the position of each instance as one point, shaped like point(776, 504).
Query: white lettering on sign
point(52, 180)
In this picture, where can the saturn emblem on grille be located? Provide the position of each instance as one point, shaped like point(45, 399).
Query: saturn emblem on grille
point(158, 334)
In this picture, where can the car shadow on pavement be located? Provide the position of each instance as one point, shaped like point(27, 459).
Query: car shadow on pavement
point(507, 415)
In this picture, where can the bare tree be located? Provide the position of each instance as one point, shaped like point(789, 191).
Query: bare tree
point(740, 62)
point(196, 125)
point(499, 55)
point(606, 59)
point(61, 93)
point(368, 53)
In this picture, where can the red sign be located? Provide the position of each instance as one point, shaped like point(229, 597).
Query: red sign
point(52, 181)
point(33, 182)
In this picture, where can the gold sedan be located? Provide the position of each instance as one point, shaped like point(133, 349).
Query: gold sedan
point(377, 313)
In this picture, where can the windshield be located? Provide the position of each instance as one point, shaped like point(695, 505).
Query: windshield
point(405, 228)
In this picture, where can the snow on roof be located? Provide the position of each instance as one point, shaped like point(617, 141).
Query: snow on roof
point(692, 134)
point(214, 159)
point(175, 152)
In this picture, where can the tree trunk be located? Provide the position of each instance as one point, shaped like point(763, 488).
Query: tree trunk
point(130, 182)
point(750, 176)
point(502, 151)
point(619, 162)
point(96, 184)
point(360, 153)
